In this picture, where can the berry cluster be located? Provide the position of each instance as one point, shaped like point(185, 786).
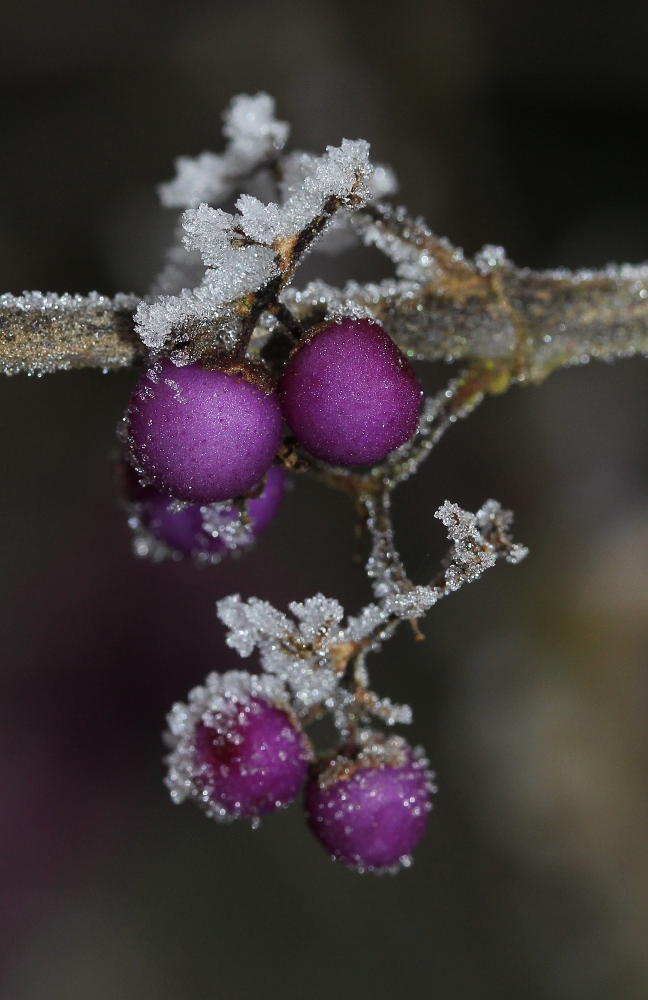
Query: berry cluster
point(238, 749)
point(207, 435)
point(203, 441)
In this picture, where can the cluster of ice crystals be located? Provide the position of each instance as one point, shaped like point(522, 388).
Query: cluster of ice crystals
point(319, 618)
point(410, 603)
point(219, 696)
point(297, 654)
point(243, 252)
point(409, 250)
point(255, 137)
point(302, 655)
point(479, 540)
point(222, 521)
point(370, 619)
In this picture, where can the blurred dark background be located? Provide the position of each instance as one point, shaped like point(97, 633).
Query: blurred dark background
point(520, 124)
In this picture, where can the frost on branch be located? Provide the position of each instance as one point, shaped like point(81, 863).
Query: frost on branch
point(509, 324)
point(311, 654)
point(250, 256)
point(48, 333)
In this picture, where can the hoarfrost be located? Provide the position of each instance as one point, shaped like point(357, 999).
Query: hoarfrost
point(243, 252)
point(255, 137)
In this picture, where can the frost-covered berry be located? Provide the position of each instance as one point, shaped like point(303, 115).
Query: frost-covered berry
point(349, 395)
point(236, 748)
point(201, 434)
point(370, 812)
point(206, 531)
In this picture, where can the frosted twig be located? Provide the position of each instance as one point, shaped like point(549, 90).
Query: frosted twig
point(319, 661)
point(48, 333)
point(518, 325)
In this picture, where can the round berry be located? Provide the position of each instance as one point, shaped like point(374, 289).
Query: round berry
point(349, 395)
point(201, 434)
point(250, 761)
point(204, 530)
point(370, 812)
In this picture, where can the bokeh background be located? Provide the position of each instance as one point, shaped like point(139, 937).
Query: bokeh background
point(520, 124)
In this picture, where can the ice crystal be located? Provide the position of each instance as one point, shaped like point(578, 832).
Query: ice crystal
point(310, 654)
point(228, 524)
point(297, 655)
point(244, 252)
point(255, 137)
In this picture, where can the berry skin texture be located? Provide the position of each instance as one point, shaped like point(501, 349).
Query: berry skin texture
point(370, 814)
point(202, 435)
point(349, 395)
point(252, 761)
point(185, 530)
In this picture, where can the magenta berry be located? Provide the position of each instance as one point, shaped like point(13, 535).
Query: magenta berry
point(236, 748)
point(191, 529)
point(200, 434)
point(349, 395)
point(370, 812)
point(251, 762)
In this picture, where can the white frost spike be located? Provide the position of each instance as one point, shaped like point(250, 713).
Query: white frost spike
point(255, 136)
point(240, 251)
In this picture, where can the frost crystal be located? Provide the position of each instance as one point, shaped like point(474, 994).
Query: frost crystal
point(307, 657)
point(298, 656)
point(255, 137)
point(246, 251)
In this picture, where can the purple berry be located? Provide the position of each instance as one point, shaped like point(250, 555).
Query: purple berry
point(370, 812)
point(236, 747)
point(251, 762)
point(200, 434)
point(192, 529)
point(349, 395)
